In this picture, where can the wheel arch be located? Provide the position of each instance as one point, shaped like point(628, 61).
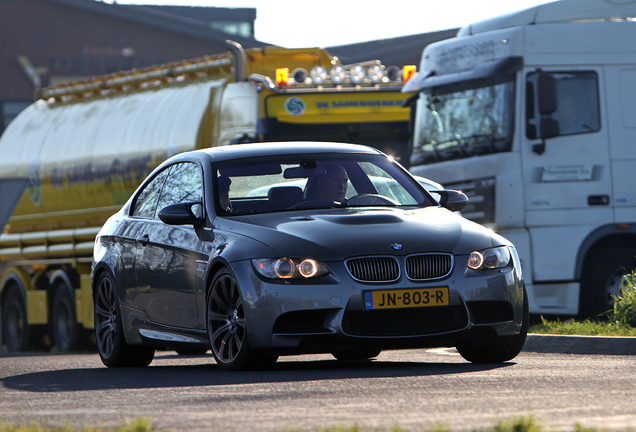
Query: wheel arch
point(108, 266)
point(216, 266)
point(14, 277)
point(603, 238)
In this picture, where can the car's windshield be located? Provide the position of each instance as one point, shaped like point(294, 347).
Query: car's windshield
point(464, 124)
point(313, 181)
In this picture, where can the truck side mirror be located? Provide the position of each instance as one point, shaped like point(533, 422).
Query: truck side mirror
point(547, 94)
point(549, 129)
point(547, 104)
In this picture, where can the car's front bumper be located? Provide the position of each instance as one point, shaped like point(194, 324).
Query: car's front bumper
point(328, 314)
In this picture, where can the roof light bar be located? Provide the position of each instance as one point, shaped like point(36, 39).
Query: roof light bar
point(338, 75)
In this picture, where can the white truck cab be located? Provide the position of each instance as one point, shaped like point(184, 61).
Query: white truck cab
point(533, 116)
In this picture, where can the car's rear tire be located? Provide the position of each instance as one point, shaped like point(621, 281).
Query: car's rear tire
point(15, 328)
point(109, 332)
point(356, 354)
point(506, 348)
point(227, 327)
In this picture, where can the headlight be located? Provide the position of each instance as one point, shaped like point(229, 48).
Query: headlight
point(290, 268)
point(489, 259)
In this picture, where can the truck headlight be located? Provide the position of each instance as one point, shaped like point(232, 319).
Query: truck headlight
point(289, 268)
point(493, 258)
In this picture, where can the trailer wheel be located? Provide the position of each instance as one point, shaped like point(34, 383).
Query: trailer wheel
point(15, 329)
point(109, 332)
point(64, 319)
point(601, 282)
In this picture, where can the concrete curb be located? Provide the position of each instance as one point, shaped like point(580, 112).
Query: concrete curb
point(560, 344)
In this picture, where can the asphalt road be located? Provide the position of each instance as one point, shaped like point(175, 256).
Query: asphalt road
point(412, 389)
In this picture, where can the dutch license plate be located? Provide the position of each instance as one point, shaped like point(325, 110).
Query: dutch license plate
point(406, 298)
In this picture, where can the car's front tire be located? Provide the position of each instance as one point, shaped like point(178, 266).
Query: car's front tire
point(227, 327)
point(109, 332)
point(506, 348)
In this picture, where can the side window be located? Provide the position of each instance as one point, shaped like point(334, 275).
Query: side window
point(577, 103)
point(146, 201)
point(184, 184)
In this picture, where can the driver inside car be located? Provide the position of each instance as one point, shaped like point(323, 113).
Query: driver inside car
point(331, 183)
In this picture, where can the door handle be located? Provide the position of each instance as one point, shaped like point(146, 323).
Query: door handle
point(143, 239)
point(598, 200)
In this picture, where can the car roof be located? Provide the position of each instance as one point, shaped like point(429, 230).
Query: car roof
point(236, 151)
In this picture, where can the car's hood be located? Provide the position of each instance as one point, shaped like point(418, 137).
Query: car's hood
point(341, 233)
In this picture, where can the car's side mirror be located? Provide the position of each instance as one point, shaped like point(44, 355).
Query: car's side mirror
point(182, 214)
point(453, 200)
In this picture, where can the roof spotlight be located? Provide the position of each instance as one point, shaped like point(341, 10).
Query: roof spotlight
point(318, 75)
point(356, 74)
point(338, 74)
point(376, 73)
point(299, 75)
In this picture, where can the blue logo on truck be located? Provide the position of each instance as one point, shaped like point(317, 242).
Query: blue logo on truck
point(295, 106)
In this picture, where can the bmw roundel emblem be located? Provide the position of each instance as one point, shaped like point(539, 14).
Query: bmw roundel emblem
point(397, 247)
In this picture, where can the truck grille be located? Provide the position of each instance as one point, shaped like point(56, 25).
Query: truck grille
point(405, 322)
point(374, 269)
point(481, 199)
point(428, 266)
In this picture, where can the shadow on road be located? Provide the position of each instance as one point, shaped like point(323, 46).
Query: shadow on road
point(209, 374)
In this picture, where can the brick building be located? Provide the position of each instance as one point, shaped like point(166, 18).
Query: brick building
point(44, 42)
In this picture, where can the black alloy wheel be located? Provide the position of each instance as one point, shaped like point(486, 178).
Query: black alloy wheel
point(109, 332)
point(227, 329)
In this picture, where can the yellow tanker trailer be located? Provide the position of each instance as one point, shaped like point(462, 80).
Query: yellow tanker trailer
point(74, 157)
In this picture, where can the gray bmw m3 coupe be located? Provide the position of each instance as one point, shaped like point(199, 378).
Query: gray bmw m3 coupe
point(254, 251)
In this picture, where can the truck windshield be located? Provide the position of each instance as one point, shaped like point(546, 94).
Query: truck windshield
point(463, 124)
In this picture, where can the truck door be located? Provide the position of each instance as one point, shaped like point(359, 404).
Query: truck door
point(565, 162)
point(166, 255)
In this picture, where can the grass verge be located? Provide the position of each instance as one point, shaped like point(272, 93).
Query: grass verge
point(522, 424)
point(620, 321)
